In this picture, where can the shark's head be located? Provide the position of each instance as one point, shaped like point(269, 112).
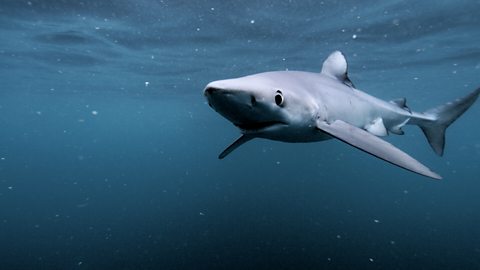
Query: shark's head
point(263, 105)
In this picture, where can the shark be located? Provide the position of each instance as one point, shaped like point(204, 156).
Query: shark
point(299, 106)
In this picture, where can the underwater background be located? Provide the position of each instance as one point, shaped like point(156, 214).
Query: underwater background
point(108, 150)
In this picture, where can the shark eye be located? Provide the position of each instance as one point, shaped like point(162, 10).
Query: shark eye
point(279, 98)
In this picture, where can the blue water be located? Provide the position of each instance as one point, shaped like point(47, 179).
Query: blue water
point(108, 151)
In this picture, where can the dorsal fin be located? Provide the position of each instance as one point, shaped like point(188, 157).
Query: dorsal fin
point(402, 103)
point(336, 66)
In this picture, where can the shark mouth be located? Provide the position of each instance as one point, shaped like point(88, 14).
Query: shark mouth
point(258, 125)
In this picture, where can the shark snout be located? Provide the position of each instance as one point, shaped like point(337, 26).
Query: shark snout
point(208, 91)
point(228, 99)
point(215, 86)
point(219, 92)
point(238, 106)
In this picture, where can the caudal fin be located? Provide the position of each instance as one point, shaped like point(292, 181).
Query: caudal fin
point(442, 116)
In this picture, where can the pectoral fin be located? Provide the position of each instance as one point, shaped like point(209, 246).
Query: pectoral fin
point(243, 139)
point(375, 146)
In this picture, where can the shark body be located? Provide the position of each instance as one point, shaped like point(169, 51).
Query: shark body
point(297, 106)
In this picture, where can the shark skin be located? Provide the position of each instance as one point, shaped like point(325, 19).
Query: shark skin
point(297, 106)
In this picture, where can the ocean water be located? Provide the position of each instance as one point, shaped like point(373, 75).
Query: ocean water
point(108, 150)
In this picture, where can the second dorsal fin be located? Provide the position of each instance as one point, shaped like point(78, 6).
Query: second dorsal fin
point(402, 103)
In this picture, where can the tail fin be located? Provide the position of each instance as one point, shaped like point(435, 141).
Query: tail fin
point(442, 117)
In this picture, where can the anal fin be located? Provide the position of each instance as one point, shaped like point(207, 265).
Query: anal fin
point(397, 129)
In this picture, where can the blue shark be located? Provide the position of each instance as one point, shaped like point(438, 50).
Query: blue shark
point(298, 106)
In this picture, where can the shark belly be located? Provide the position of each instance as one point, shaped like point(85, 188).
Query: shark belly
point(298, 134)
